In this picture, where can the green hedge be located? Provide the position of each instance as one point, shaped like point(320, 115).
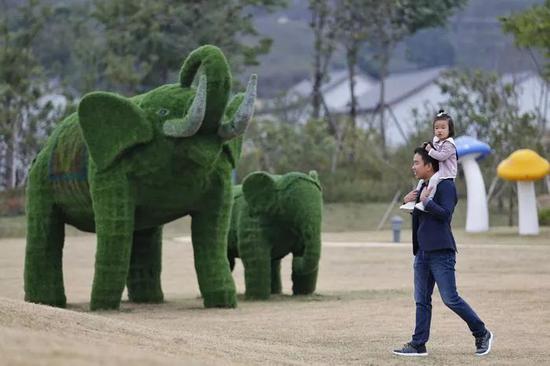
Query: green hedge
point(12, 202)
point(544, 216)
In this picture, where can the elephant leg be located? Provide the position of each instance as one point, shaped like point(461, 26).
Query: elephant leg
point(276, 286)
point(145, 266)
point(256, 256)
point(303, 283)
point(44, 252)
point(114, 221)
point(209, 230)
point(257, 277)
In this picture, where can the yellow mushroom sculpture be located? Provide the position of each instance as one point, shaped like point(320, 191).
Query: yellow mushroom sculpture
point(525, 166)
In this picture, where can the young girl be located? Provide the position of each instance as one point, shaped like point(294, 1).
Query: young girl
point(443, 149)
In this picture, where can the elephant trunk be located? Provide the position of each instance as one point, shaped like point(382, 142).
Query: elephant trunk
point(218, 83)
point(190, 123)
point(239, 117)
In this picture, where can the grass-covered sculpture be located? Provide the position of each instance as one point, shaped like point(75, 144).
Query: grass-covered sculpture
point(274, 215)
point(123, 167)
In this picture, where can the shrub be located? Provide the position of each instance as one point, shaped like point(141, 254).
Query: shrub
point(12, 202)
point(544, 216)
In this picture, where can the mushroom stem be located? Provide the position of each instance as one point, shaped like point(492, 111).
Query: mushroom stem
point(527, 209)
point(477, 215)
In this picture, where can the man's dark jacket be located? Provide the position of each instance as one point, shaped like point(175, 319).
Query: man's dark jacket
point(432, 228)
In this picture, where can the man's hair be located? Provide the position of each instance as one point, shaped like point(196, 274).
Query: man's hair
point(444, 116)
point(426, 158)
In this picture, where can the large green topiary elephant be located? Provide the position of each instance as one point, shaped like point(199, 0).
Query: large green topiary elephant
point(274, 215)
point(123, 167)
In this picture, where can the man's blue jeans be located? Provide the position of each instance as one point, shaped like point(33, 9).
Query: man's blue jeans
point(439, 267)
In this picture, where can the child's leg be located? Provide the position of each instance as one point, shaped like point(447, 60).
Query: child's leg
point(432, 184)
point(434, 181)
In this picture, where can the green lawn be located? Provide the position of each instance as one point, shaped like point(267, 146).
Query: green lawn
point(366, 216)
point(340, 217)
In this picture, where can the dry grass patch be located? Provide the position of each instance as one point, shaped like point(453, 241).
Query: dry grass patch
point(362, 310)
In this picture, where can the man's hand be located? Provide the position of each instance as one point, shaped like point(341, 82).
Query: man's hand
point(410, 197)
point(424, 195)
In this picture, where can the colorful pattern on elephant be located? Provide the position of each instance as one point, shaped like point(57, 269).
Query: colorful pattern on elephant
point(69, 160)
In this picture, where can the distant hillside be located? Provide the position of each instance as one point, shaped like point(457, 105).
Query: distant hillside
point(472, 38)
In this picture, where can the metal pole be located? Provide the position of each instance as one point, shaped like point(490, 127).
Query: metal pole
point(388, 210)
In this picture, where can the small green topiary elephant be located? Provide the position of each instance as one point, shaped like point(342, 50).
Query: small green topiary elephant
point(274, 215)
point(123, 167)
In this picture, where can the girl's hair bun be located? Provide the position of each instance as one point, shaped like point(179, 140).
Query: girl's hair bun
point(441, 113)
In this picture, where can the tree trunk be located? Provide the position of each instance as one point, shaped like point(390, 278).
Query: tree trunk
point(352, 62)
point(336, 153)
point(12, 159)
point(337, 134)
point(9, 173)
point(317, 23)
point(382, 99)
point(323, 47)
point(2, 165)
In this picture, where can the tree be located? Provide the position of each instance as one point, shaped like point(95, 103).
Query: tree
point(430, 48)
point(389, 22)
point(485, 107)
point(323, 39)
point(350, 16)
point(146, 40)
point(531, 28)
point(25, 116)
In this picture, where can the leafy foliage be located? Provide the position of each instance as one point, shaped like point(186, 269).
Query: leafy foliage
point(531, 28)
point(544, 216)
point(27, 112)
point(383, 24)
point(487, 108)
point(285, 146)
point(145, 40)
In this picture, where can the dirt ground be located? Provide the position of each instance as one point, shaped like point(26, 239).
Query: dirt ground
point(362, 310)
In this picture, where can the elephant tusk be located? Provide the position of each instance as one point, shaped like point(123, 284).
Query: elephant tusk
point(189, 124)
point(238, 124)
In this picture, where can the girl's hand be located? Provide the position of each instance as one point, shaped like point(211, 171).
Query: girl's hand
point(410, 197)
point(428, 147)
point(424, 195)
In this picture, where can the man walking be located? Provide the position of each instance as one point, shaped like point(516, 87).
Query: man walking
point(434, 248)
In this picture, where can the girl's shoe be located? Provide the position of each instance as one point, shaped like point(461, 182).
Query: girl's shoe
point(420, 206)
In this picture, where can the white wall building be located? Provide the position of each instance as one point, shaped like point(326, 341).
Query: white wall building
point(403, 92)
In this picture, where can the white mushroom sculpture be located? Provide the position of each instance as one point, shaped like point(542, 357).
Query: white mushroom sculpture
point(469, 151)
point(525, 166)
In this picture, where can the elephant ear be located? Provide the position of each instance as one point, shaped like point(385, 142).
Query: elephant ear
point(259, 192)
point(313, 175)
point(111, 124)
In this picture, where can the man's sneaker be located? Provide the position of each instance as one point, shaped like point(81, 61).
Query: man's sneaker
point(483, 343)
point(410, 350)
point(409, 206)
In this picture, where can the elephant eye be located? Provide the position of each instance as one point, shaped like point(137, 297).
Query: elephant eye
point(163, 112)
